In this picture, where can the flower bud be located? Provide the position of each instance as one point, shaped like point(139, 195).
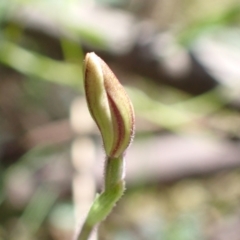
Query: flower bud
point(109, 105)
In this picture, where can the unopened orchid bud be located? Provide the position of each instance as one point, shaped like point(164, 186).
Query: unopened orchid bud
point(109, 105)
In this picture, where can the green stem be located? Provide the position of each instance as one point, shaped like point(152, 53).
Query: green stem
point(104, 203)
point(85, 232)
point(114, 172)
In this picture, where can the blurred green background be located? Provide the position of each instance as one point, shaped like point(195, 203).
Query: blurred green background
point(179, 61)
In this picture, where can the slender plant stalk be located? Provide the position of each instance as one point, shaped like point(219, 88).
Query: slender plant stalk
point(104, 203)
